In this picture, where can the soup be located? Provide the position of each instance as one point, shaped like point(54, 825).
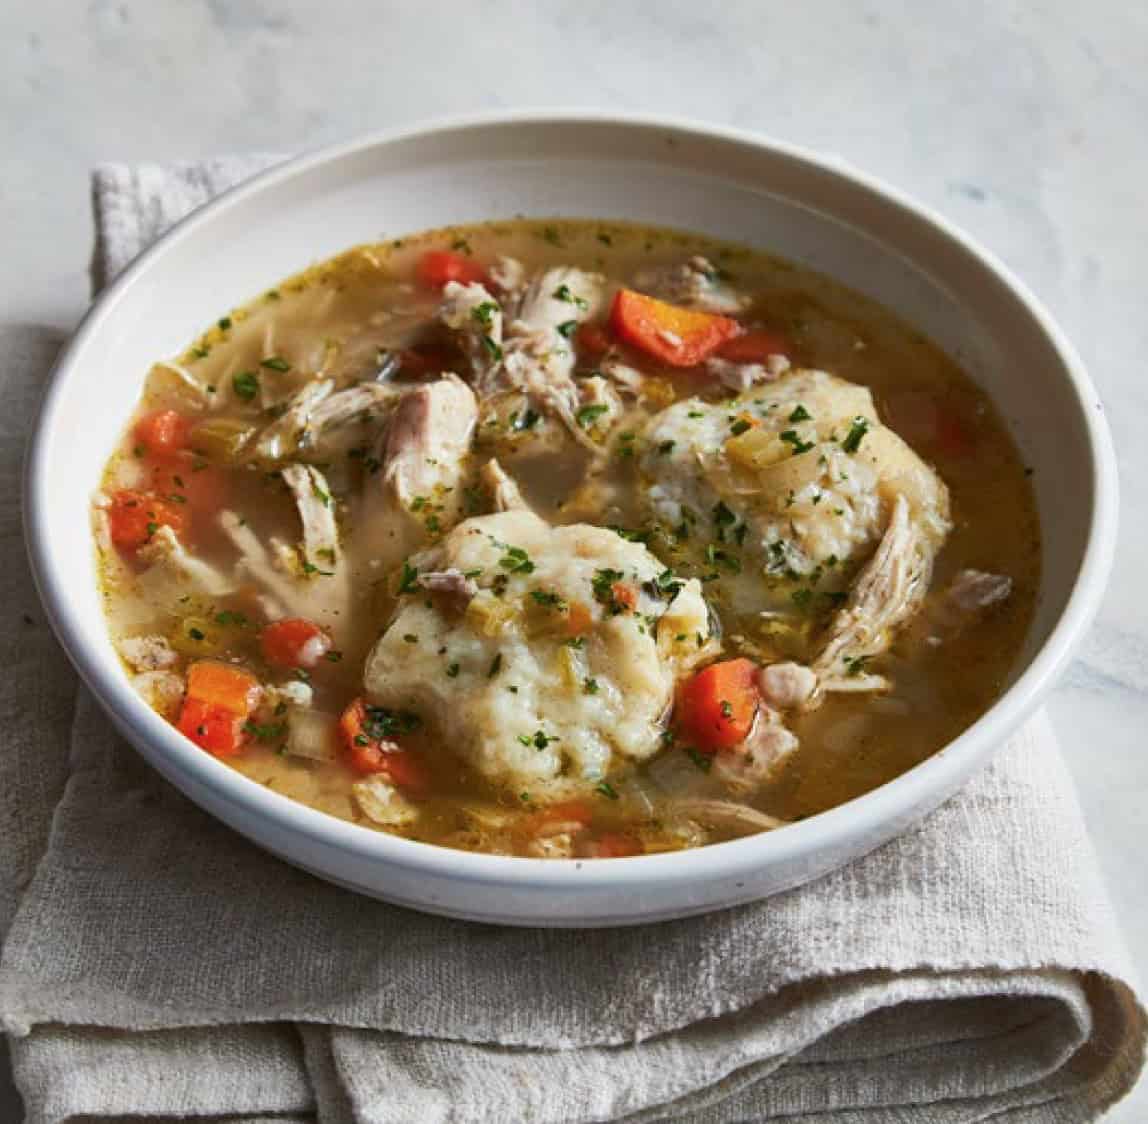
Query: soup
point(566, 539)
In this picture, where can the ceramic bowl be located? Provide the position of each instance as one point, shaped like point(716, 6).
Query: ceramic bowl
point(810, 209)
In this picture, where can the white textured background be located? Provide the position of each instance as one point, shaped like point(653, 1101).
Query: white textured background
point(1026, 123)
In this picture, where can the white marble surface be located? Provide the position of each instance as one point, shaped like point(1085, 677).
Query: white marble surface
point(1024, 123)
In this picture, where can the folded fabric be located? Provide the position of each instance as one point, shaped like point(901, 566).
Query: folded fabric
point(160, 965)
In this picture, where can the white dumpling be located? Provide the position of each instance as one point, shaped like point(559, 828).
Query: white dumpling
point(794, 481)
point(551, 658)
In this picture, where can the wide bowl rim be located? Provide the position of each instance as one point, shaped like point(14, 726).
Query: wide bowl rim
point(840, 827)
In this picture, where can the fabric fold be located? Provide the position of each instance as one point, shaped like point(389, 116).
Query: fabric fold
point(159, 964)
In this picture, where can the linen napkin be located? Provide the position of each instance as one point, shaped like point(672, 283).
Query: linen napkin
point(158, 965)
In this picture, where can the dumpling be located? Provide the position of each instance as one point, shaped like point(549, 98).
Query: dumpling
point(545, 657)
point(794, 482)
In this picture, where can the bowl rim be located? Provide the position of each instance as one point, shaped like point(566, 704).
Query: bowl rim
point(838, 827)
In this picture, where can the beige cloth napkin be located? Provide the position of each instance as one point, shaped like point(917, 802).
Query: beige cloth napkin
point(158, 965)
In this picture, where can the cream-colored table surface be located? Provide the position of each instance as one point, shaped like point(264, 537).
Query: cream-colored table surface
point(1027, 124)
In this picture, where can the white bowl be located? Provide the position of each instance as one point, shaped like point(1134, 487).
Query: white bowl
point(715, 181)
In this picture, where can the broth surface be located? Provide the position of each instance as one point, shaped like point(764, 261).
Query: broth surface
point(369, 316)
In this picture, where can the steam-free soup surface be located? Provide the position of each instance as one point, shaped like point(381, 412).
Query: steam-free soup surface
point(566, 539)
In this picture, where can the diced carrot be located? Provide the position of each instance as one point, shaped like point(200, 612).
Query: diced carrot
point(716, 706)
point(367, 755)
point(220, 698)
point(134, 517)
point(593, 340)
point(754, 347)
point(679, 337)
point(624, 596)
point(436, 267)
point(212, 728)
point(162, 432)
point(225, 685)
point(573, 812)
point(578, 619)
point(294, 643)
point(614, 845)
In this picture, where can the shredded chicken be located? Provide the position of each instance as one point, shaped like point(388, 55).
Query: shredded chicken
point(281, 439)
point(161, 690)
point(693, 284)
point(727, 816)
point(146, 653)
point(503, 488)
point(451, 584)
point(740, 377)
point(745, 768)
point(787, 685)
point(382, 803)
point(526, 346)
point(165, 553)
point(311, 580)
point(509, 274)
point(427, 441)
point(887, 591)
point(973, 590)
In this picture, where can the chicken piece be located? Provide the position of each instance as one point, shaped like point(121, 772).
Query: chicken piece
point(525, 348)
point(725, 815)
point(347, 417)
point(888, 590)
point(172, 570)
point(427, 442)
point(281, 439)
point(503, 488)
point(791, 483)
point(695, 283)
point(509, 274)
point(311, 580)
point(974, 590)
point(161, 690)
point(473, 312)
point(146, 653)
point(452, 585)
point(788, 685)
point(740, 377)
point(745, 768)
point(504, 687)
point(382, 803)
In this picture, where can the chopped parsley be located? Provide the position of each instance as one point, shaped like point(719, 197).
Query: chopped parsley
point(323, 497)
point(590, 687)
point(666, 447)
point(268, 732)
point(311, 568)
point(410, 638)
point(195, 634)
point(516, 561)
point(548, 598)
point(567, 328)
point(792, 437)
point(495, 666)
point(452, 671)
point(539, 739)
point(484, 314)
point(722, 515)
point(224, 323)
point(602, 584)
point(246, 385)
point(800, 413)
point(588, 415)
point(726, 708)
point(739, 425)
point(563, 293)
point(230, 617)
point(528, 419)
point(492, 349)
point(856, 434)
point(701, 760)
point(801, 598)
point(379, 723)
point(409, 580)
point(275, 363)
point(854, 665)
point(607, 790)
